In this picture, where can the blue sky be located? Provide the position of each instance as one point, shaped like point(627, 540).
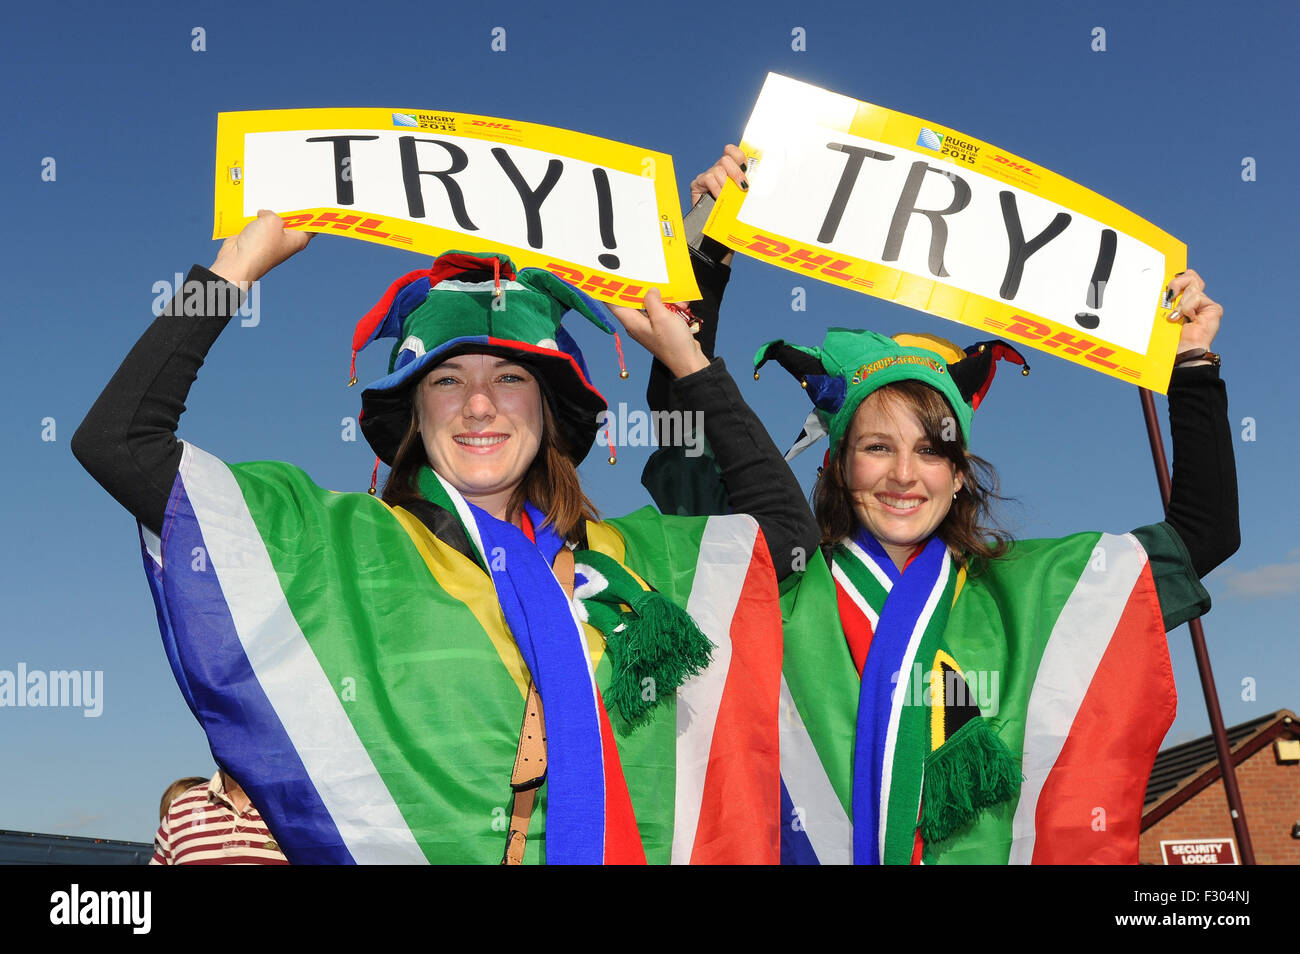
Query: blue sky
point(1160, 122)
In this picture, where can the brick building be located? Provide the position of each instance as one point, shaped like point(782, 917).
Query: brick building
point(1185, 800)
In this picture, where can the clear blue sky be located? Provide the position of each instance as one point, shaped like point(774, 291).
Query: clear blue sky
point(1159, 122)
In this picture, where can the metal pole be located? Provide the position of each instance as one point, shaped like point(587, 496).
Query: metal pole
point(1226, 769)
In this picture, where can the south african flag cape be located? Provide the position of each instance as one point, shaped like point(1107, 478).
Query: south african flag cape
point(357, 675)
point(1062, 646)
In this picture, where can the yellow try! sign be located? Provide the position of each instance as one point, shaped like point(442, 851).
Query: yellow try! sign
point(925, 216)
point(600, 214)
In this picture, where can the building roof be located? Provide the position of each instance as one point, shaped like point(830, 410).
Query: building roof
point(1181, 771)
point(34, 848)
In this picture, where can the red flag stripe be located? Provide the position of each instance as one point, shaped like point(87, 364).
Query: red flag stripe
point(622, 838)
point(1110, 766)
point(857, 627)
point(741, 823)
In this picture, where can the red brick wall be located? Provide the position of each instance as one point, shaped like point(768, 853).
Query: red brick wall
point(1270, 795)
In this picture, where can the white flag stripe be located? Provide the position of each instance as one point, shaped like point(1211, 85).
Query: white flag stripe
point(827, 825)
point(359, 802)
point(466, 518)
point(869, 562)
point(843, 580)
point(1089, 617)
point(726, 549)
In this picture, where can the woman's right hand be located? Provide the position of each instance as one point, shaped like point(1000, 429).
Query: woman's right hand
point(663, 333)
point(260, 246)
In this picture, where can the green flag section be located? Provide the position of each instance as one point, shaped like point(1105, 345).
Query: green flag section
point(356, 673)
point(1062, 645)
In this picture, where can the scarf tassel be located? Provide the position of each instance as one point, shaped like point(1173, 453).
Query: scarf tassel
point(971, 772)
point(657, 649)
point(653, 644)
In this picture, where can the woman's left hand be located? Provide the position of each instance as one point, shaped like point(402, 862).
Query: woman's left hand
point(732, 164)
point(1199, 314)
point(664, 333)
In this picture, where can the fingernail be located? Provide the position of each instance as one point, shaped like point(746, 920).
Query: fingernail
point(1179, 273)
point(744, 186)
point(744, 167)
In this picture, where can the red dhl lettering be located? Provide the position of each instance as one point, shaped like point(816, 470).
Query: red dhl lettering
point(598, 284)
point(1099, 355)
point(487, 125)
point(1032, 330)
point(768, 246)
point(595, 283)
point(836, 269)
point(1014, 165)
point(806, 259)
point(564, 273)
point(1028, 328)
point(344, 223)
point(1069, 344)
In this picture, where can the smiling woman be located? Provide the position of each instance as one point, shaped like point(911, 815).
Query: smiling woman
point(480, 419)
point(977, 699)
point(951, 695)
point(361, 664)
point(480, 422)
point(899, 483)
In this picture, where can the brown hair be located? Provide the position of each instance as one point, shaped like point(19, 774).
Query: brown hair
point(551, 482)
point(175, 788)
point(969, 528)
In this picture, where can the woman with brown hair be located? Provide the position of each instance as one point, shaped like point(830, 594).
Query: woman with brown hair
point(951, 695)
point(363, 663)
point(962, 647)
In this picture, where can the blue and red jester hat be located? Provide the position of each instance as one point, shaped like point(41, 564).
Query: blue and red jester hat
point(469, 303)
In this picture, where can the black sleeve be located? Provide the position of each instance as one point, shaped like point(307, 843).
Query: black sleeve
point(1203, 505)
point(128, 440)
point(741, 470)
point(753, 474)
point(712, 279)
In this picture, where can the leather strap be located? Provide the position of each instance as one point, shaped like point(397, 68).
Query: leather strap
point(529, 771)
point(527, 777)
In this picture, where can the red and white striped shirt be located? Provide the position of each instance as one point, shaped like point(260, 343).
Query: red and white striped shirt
point(202, 827)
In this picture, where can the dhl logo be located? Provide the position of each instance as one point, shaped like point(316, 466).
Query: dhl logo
point(344, 223)
point(1029, 330)
point(836, 269)
point(605, 288)
point(1014, 165)
point(487, 125)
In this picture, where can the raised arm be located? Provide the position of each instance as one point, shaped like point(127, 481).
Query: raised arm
point(127, 441)
point(1203, 506)
point(750, 475)
point(1200, 529)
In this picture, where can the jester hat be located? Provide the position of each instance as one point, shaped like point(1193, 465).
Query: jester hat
point(469, 303)
point(851, 365)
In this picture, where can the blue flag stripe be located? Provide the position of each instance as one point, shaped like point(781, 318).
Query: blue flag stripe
point(246, 735)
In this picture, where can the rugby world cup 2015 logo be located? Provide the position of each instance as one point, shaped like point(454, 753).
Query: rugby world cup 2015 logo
point(930, 139)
